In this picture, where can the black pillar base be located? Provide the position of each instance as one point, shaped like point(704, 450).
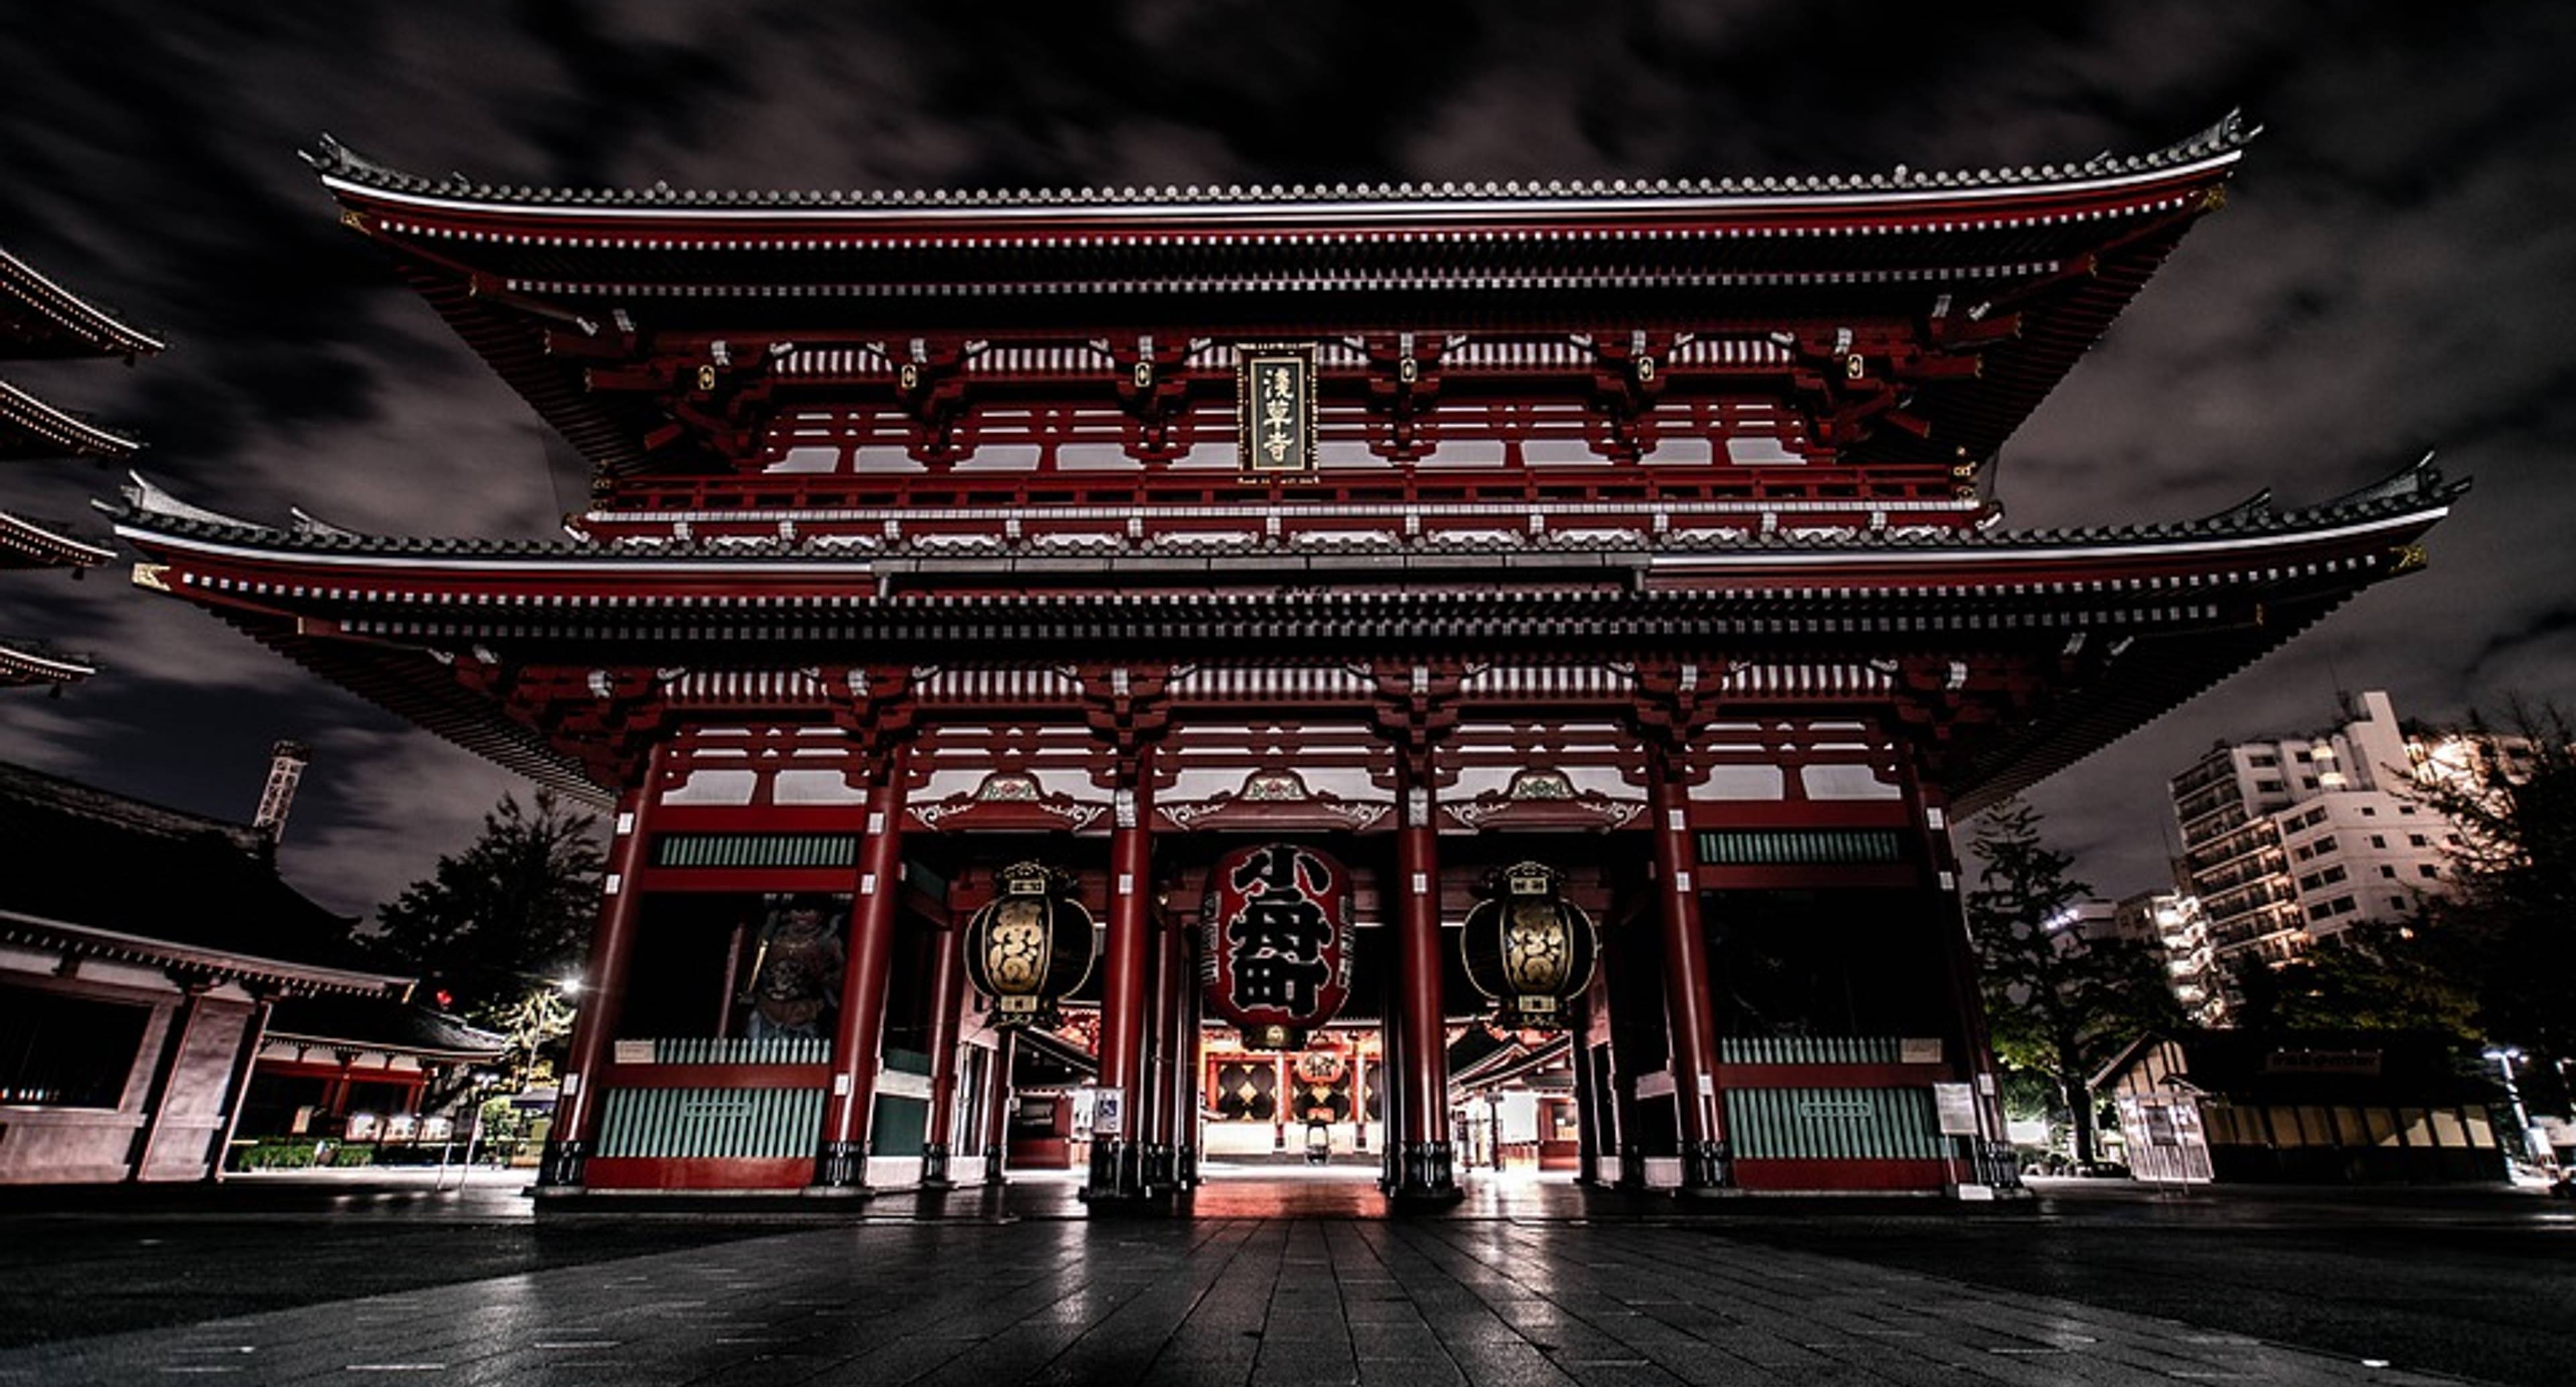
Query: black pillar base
point(561, 1165)
point(1425, 1173)
point(1160, 1169)
point(993, 1162)
point(1116, 1171)
point(1706, 1166)
point(1185, 1167)
point(934, 1165)
point(1632, 1169)
point(840, 1165)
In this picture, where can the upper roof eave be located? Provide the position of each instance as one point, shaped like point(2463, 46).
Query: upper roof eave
point(2206, 154)
point(105, 333)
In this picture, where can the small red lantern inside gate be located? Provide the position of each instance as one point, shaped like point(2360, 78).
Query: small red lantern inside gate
point(1276, 930)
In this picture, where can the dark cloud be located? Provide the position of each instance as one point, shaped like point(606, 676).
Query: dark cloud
point(2394, 274)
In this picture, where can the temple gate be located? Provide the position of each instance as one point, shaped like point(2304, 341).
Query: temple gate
point(1641, 532)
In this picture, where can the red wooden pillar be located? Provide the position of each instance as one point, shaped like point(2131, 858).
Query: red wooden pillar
point(1689, 1014)
point(603, 991)
point(1188, 1080)
point(1115, 1169)
point(997, 1108)
point(1390, 1101)
point(1425, 1162)
point(1278, 1104)
point(1159, 1132)
point(1990, 1158)
point(947, 1002)
point(856, 1058)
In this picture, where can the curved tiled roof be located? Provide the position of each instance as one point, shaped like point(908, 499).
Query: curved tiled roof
point(338, 162)
point(33, 542)
point(2416, 487)
point(26, 662)
point(31, 428)
point(382, 1024)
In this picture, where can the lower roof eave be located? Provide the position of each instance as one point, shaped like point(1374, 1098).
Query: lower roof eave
point(223, 963)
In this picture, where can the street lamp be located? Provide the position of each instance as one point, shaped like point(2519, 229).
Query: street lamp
point(2504, 1056)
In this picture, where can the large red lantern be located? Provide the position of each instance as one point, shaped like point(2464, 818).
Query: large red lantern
point(1276, 931)
point(1029, 946)
point(1527, 947)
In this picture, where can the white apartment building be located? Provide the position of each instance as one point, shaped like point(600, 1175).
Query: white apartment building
point(2294, 840)
point(2172, 921)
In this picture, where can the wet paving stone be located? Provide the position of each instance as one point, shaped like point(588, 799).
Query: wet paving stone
point(1261, 1302)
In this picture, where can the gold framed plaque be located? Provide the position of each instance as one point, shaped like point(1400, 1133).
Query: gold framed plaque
point(1274, 387)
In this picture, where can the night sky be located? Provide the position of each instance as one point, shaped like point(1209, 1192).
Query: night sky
point(2394, 274)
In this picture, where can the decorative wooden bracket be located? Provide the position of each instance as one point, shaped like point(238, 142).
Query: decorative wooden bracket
point(1128, 707)
point(873, 706)
point(1629, 373)
point(1153, 394)
point(603, 718)
point(1675, 702)
point(930, 387)
point(1404, 388)
point(1415, 709)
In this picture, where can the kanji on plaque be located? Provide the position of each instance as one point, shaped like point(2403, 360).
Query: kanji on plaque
point(1276, 412)
point(1276, 937)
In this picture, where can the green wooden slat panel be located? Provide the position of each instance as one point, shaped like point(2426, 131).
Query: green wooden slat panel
point(705, 1122)
point(1834, 1124)
point(756, 850)
point(1785, 847)
point(742, 1050)
point(1802, 1049)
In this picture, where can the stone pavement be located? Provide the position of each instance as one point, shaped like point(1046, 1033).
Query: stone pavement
point(1261, 1301)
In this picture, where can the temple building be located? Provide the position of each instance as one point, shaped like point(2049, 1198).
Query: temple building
point(143, 951)
point(1263, 636)
point(42, 321)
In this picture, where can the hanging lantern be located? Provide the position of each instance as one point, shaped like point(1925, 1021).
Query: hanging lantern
point(1527, 947)
point(1321, 1095)
point(1276, 929)
point(1029, 946)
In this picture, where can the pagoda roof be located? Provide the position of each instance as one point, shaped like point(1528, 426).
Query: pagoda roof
point(2032, 264)
point(40, 318)
point(31, 428)
point(387, 618)
point(104, 874)
point(27, 542)
point(25, 663)
point(345, 169)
